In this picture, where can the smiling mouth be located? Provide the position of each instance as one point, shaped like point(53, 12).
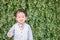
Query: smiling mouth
point(21, 20)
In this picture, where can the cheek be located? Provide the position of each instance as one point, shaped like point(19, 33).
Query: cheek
point(24, 19)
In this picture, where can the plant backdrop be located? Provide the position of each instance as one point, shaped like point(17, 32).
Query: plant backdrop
point(43, 17)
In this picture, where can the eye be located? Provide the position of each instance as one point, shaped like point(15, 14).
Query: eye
point(22, 16)
point(18, 17)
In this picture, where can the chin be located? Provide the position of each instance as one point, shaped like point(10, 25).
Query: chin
point(21, 22)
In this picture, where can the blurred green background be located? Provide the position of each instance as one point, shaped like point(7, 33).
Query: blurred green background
point(43, 17)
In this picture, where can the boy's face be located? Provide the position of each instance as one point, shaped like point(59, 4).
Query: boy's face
point(20, 17)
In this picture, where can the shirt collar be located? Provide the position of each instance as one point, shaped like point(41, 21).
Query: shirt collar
point(20, 24)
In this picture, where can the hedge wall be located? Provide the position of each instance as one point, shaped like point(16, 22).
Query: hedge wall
point(43, 17)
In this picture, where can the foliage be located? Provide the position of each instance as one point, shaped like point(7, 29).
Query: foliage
point(43, 17)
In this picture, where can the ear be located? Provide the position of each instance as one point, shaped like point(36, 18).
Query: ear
point(26, 18)
point(16, 18)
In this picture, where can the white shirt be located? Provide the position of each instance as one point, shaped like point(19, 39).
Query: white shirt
point(25, 34)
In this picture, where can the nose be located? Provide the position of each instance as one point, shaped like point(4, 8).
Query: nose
point(20, 18)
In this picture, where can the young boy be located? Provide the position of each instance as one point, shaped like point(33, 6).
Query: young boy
point(20, 30)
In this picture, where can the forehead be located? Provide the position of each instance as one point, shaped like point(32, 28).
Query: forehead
point(20, 14)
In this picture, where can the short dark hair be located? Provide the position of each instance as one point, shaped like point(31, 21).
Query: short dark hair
point(20, 10)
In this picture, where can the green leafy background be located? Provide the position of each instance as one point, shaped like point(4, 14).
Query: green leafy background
point(43, 17)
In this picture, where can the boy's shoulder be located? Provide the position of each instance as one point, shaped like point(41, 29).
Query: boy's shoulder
point(15, 24)
point(24, 24)
point(27, 25)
